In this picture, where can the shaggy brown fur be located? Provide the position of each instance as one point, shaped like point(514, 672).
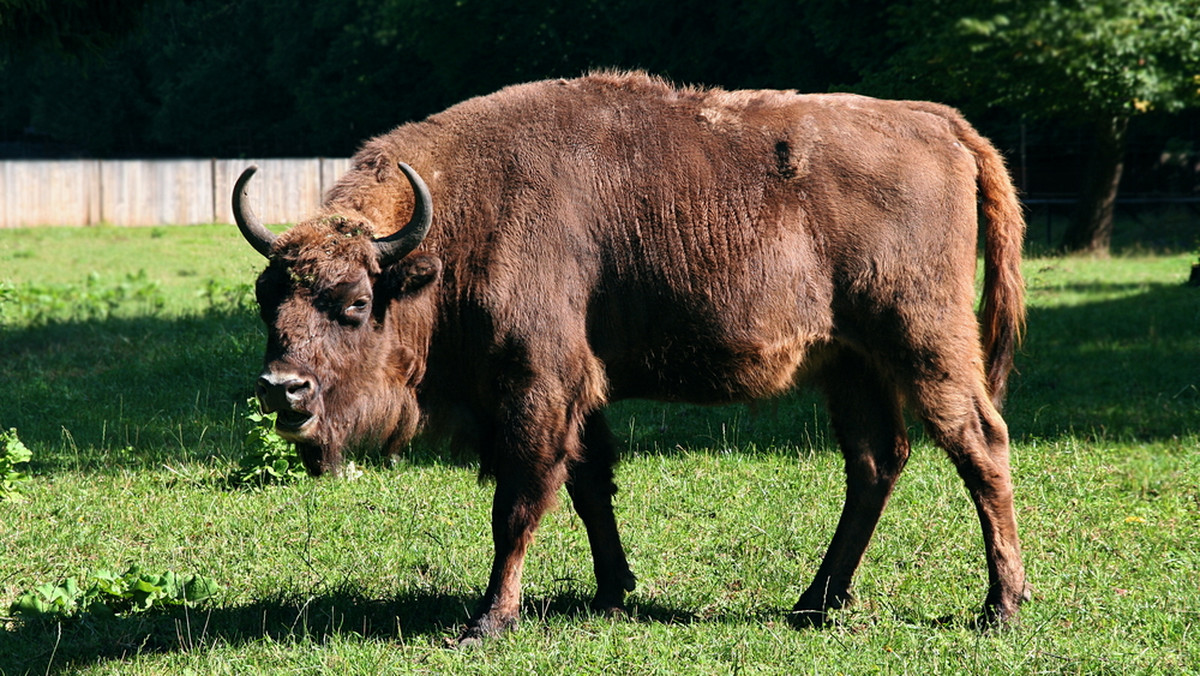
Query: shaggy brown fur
point(614, 236)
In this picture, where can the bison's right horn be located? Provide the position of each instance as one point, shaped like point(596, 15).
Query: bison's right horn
point(252, 229)
point(398, 245)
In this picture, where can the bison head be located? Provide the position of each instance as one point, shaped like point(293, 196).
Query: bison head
point(348, 324)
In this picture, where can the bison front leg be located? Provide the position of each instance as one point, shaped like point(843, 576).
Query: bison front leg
point(523, 493)
point(528, 459)
point(591, 487)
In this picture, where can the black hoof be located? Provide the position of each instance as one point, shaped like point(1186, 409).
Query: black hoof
point(807, 618)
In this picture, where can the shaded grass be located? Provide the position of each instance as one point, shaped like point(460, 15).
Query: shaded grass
point(1113, 350)
point(110, 380)
point(725, 511)
point(129, 391)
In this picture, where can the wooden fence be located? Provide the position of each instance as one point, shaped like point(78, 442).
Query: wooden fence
point(158, 192)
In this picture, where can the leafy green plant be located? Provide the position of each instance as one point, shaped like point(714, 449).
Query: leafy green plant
point(40, 304)
point(8, 294)
point(12, 453)
point(224, 296)
point(105, 593)
point(268, 459)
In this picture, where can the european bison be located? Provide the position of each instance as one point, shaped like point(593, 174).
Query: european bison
point(575, 242)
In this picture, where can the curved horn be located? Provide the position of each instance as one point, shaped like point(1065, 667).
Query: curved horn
point(398, 245)
point(252, 229)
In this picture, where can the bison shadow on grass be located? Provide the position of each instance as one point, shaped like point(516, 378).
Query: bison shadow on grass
point(418, 618)
point(125, 392)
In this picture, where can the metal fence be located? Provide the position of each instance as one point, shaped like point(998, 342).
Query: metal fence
point(158, 192)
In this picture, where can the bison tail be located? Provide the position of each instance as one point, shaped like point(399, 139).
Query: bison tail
point(1003, 308)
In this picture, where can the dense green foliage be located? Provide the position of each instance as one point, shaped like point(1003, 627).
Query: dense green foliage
point(67, 26)
point(1098, 63)
point(1074, 59)
point(284, 77)
point(136, 415)
point(287, 77)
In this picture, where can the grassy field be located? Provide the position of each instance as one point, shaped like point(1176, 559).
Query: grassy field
point(128, 355)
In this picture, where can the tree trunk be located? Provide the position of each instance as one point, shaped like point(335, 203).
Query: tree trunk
point(1092, 227)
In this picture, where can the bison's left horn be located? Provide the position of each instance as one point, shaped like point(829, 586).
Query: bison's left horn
point(398, 245)
point(252, 229)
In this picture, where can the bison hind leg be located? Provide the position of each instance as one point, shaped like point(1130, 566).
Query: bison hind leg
point(591, 486)
point(960, 416)
point(868, 420)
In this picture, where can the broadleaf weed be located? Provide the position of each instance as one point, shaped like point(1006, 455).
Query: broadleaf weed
point(12, 454)
point(222, 296)
point(106, 593)
point(268, 459)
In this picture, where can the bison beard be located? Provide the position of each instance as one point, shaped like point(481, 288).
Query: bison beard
point(613, 237)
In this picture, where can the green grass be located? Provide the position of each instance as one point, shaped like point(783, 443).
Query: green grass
point(130, 390)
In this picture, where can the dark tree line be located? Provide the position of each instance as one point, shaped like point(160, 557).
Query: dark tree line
point(316, 77)
point(302, 77)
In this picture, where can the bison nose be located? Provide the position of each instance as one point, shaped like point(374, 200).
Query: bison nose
point(284, 391)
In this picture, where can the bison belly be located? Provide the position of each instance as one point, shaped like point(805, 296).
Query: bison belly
point(705, 354)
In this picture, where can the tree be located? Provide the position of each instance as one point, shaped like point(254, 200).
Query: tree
point(1093, 62)
point(66, 25)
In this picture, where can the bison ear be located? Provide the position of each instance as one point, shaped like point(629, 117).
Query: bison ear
point(414, 273)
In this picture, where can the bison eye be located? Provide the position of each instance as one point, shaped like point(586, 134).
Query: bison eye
point(357, 311)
